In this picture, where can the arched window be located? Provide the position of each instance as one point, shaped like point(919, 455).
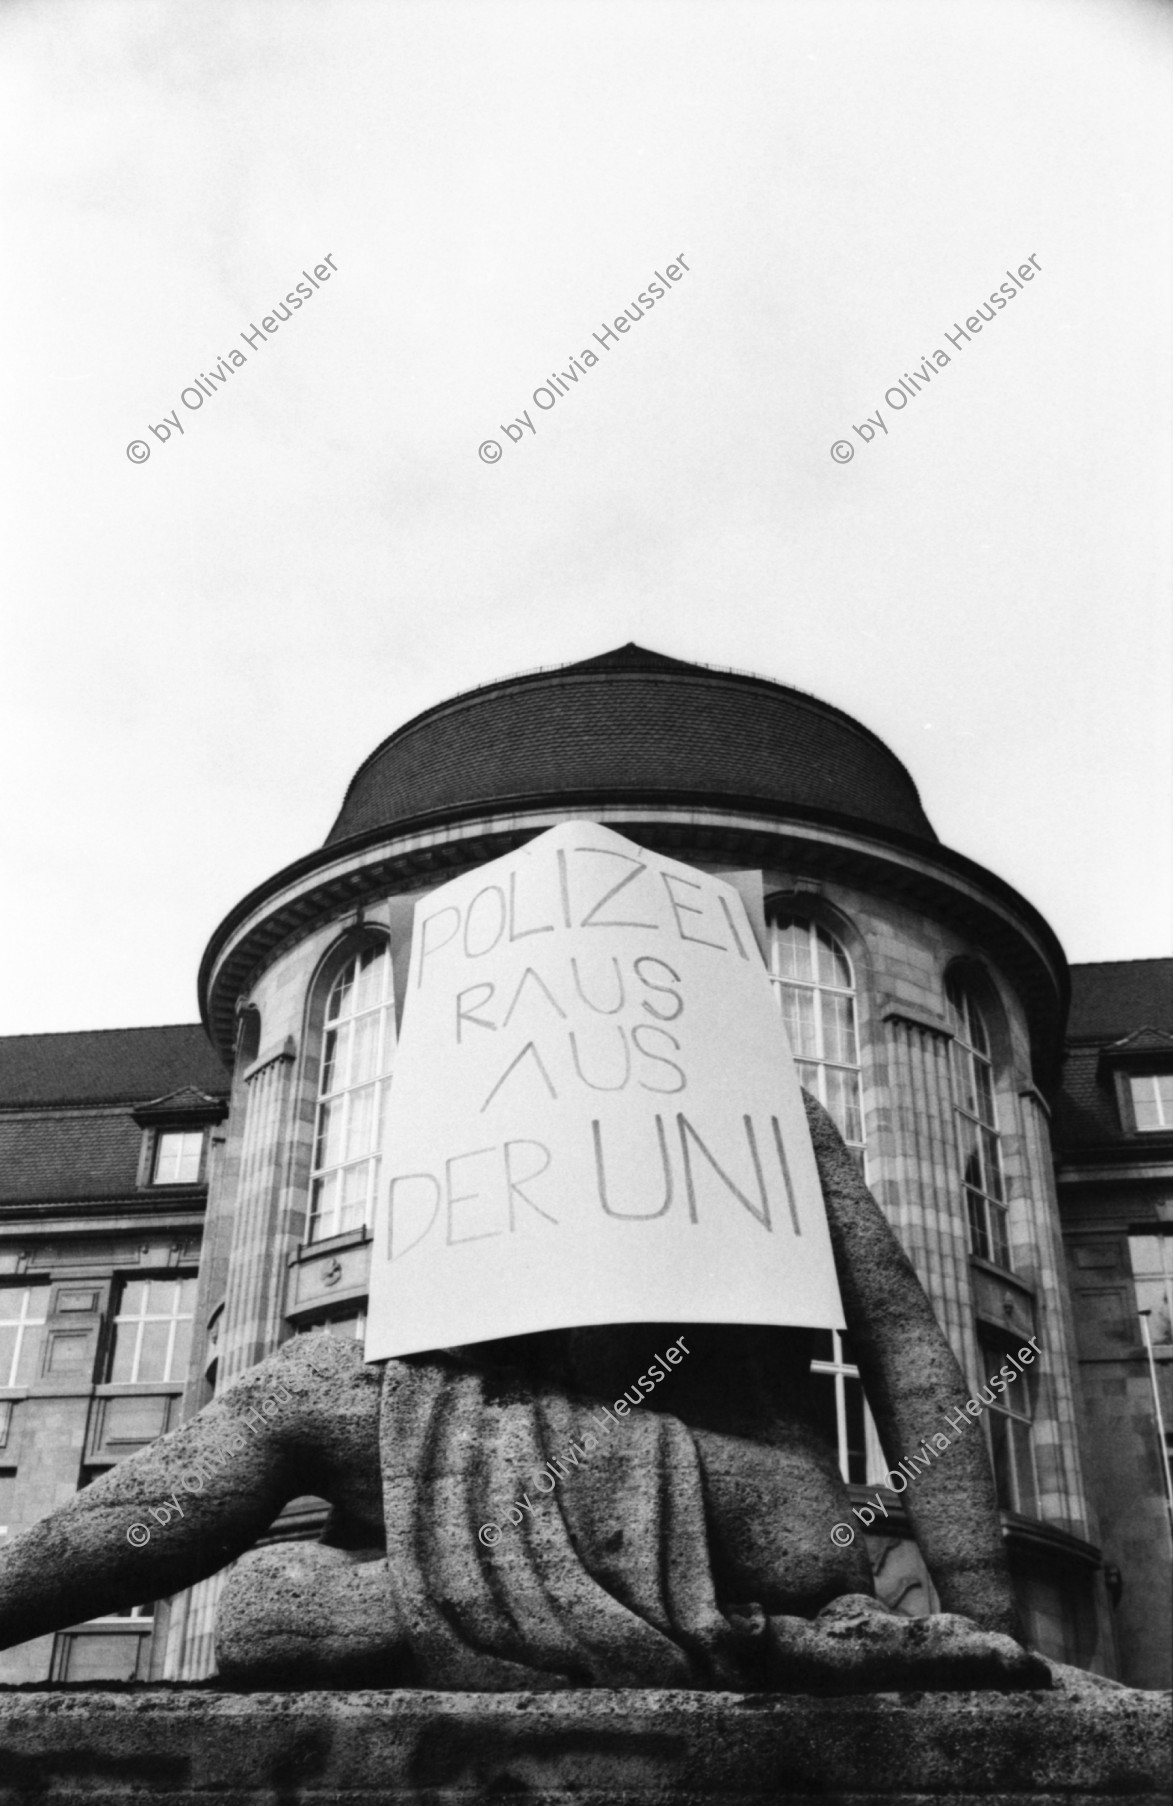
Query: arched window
point(977, 1122)
point(816, 987)
point(358, 1042)
point(248, 1036)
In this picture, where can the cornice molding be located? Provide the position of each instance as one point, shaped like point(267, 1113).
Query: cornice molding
point(892, 1011)
point(132, 1215)
point(281, 1056)
point(1036, 1097)
point(329, 885)
point(188, 1108)
point(1128, 1164)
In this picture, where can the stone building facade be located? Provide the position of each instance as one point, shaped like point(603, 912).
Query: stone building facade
point(925, 1001)
point(1114, 1151)
point(107, 1143)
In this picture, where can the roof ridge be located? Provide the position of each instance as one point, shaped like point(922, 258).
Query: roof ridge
point(141, 1028)
point(1147, 959)
point(1138, 1035)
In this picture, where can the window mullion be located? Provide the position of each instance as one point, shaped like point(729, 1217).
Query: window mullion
point(18, 1341)
point(840, 1403)
point(347, 1112)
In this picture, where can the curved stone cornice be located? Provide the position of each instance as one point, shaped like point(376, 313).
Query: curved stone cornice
point(333, 881)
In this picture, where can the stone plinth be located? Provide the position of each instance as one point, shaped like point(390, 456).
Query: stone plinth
point(188, 1745)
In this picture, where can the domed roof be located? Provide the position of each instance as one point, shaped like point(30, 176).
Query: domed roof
point(631, 726)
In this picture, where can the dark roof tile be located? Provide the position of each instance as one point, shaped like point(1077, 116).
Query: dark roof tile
point(108, 1065)
point(1114, 997)
point(1120, 1004)
point(1086, 1113)
point(94, 1155)
point(632, 725)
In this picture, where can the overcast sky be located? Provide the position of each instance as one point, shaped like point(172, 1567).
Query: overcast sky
point(200, 648)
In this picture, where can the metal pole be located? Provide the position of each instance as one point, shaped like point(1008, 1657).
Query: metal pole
point(1144, 1326)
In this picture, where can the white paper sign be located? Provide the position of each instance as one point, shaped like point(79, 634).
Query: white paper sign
point(594, 1113)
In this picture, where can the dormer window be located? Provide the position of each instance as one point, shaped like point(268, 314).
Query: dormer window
point(179, 1156)
point(1152, 1101)
point(1140, 1070)
point(176, 1136)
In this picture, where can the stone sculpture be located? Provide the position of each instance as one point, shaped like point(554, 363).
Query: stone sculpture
point(688, 1545)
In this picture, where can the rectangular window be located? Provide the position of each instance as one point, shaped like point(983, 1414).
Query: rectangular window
point(1152, 1272)
point(22, 1323)
point(1008, 1430)
point(841, 1408)
point(1152, 1100)
point(152, 1331)
point(179, 1155)
point(353, 1324)
point(120, 1652)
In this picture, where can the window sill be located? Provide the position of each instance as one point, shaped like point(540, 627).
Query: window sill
point(67, 1386)
point(1023, 1534)
point(137, 1388)
point(1032, 1535)
point(330, 1244)
point(104, 1627)
point(1004, 1275)
point(896, 1523)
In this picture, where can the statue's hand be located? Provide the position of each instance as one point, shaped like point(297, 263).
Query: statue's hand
point(856, 1645)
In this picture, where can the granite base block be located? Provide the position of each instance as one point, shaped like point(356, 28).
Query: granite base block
point(188, 1746)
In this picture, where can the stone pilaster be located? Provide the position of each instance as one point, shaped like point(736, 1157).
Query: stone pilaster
point(254, 1303)
point(921, 1191)
point(1062, 1495)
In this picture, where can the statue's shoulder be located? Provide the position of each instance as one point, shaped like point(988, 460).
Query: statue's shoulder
point(318, 1358)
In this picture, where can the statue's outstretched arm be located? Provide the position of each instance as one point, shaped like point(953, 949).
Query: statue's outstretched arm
point(203, 1493)
point(913, 1384)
